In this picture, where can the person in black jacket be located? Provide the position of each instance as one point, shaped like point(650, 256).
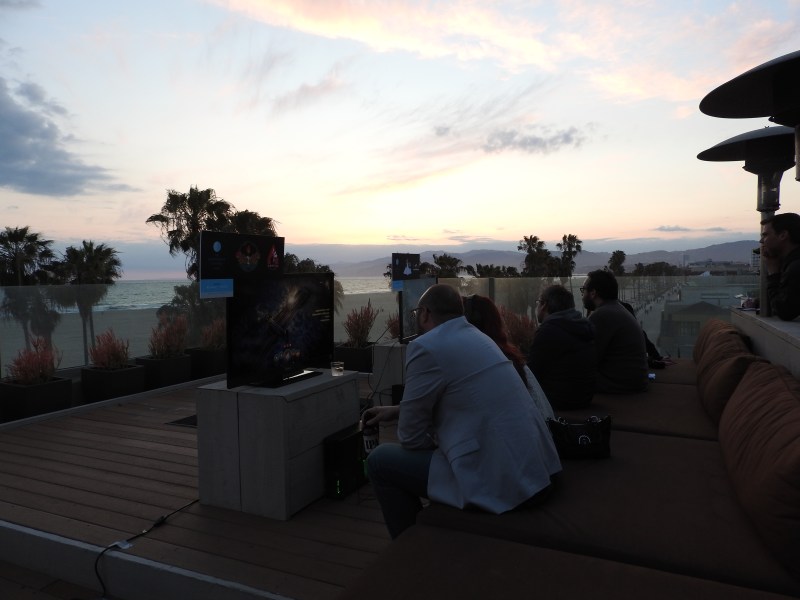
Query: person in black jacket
point(780, 247)
point(563, 356)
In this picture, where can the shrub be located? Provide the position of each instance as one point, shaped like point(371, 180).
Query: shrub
point(393, 326)
point(521, 329)
point(212, 336)
point(168, 339)
point(358, 325)
point(37, 365)
point(109, 352)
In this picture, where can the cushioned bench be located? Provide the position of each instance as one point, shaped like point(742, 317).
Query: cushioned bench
point(432, 563)
point(700, 498)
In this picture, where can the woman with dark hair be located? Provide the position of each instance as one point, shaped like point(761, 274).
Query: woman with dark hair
point(483, 314)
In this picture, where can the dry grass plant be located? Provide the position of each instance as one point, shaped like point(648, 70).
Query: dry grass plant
point(358, 325)
point(110, 352)
point(168, 339)
point(35, 365)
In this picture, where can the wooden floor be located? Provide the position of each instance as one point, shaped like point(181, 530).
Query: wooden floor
point(72, 485)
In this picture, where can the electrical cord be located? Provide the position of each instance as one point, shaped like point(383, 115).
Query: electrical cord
point(127, 543)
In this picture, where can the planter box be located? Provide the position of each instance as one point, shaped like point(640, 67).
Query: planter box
point(23, 401)
point(354, 359)
point(206, 363)
point(161, 372)
point(102, 384)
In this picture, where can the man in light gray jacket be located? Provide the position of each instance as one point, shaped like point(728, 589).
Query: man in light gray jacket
point(469, 434)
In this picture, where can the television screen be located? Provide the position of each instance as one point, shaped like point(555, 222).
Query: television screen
point(409, 298)
point(278, 328)
point(404, 266)
point(226, 258)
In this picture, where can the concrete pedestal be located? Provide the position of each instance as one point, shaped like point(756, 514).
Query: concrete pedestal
point(260, 449)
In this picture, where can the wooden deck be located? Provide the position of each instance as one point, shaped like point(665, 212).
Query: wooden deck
point(73, 484)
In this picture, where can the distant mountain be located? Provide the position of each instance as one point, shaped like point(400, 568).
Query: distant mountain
point(584, 262)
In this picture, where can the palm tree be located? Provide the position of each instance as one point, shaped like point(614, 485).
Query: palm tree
point(184, 216)
point(89, 269)
point(450, 266)
point(537, 256)
point(615, 263)
point(570, 246)
point(246, 221)
point(24, 256)
point(496, 271)
point(25, 260)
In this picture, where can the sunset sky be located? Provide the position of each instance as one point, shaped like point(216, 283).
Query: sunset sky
point(404, 124)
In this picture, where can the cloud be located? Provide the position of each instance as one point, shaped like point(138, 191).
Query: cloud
point(19, 4)
point(473, 239)
point(671, 228)
point(403, 238)
point(33, 156)
point(308, 94)
point(534, 140)
point(680, 228)
point(463, 30)
point(35, 95)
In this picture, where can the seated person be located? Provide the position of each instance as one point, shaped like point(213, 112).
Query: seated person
point(562, 355)
point(483, 313)
point(469, 434)
point(780, 247)
point(654, 358)
point(619, 341)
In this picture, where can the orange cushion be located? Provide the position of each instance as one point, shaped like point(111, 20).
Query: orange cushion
point(720, 381)
point(759, 434)
point(712, 329)
point(716, 350)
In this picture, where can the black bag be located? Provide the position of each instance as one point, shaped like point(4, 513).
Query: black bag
point(583, 439)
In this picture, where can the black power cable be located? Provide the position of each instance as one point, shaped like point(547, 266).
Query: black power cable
point(127, 543)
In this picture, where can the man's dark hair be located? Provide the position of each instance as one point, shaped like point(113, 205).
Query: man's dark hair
point(444, 302)
point(604, 284)
point(786, 222)
point(557, 298)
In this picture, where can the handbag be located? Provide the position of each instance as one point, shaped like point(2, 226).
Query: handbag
point(582, 439)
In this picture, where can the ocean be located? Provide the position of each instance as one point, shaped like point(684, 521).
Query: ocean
point(135, 295)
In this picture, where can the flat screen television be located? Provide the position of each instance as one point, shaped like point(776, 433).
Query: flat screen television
point(409, 298)
point(228, 257)
point(280, 328)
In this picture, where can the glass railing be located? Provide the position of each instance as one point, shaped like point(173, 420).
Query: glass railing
point(670, 309)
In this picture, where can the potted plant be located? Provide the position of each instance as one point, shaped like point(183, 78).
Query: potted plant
point(393, 326)
point(356, 352)
point(111, 374)
point(167, 363)
point(521, 329)
point(31, 387)
point(210, 358)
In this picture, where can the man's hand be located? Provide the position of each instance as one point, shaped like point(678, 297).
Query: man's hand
point(772, 263)
point(377, 414)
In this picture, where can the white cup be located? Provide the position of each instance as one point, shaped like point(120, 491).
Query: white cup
point(337, 368)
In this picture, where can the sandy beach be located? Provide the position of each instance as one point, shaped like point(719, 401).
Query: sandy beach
point(136, 325)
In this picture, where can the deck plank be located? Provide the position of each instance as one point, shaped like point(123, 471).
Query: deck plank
point(104, 475)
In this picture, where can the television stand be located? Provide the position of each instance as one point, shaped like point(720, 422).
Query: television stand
point(304, 374)
point(260, 450)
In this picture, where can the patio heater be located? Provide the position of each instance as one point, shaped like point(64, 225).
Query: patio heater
point(768, 90)
point(767, 153)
